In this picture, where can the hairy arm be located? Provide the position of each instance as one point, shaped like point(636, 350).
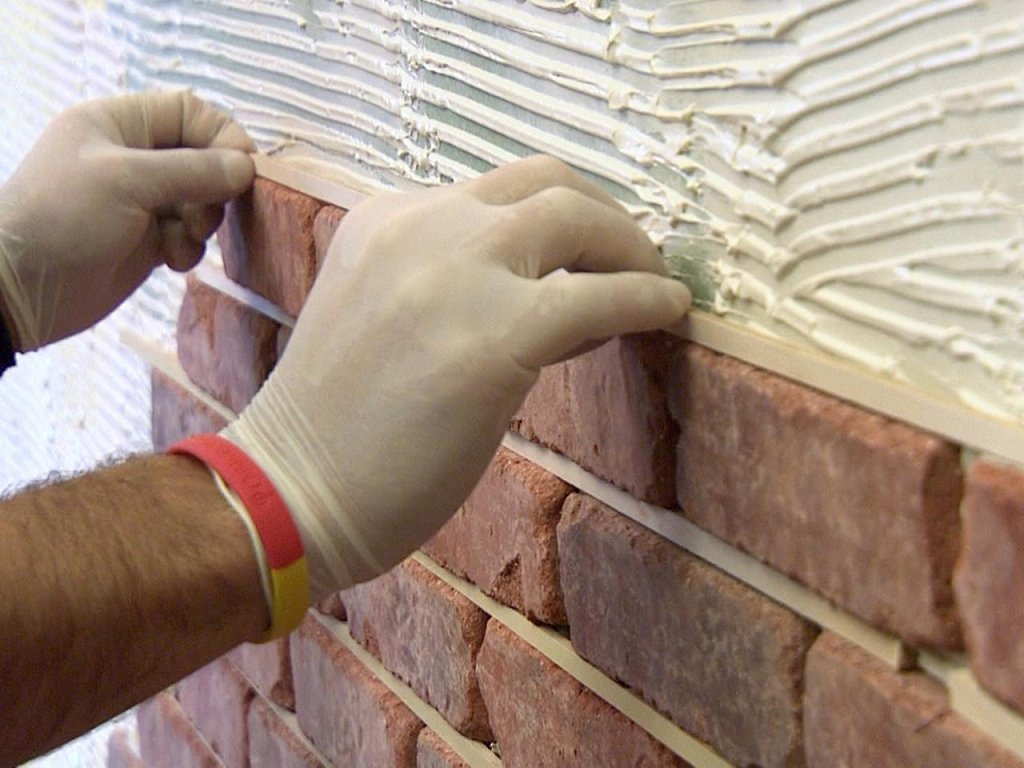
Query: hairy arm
point(114, 585)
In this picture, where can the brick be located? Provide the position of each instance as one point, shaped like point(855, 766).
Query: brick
point(428, 635)
point(121, 753)
point(503, 538)
point(168, 740)
point(268, 666)
point(324, 226)
point(858, 507)
point(227, 348)
point(434, 752)
point(543, 718)
point(721, 660)
point(990, 578)
point(276, 743)
point(216, 699)
point(607, 411)
point(267, 243)
point(333, 605)
point(861, 712)
point(176, 413)
point(350, 716)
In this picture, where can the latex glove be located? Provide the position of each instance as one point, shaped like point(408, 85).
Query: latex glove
point(93, 209)
point(427, 325)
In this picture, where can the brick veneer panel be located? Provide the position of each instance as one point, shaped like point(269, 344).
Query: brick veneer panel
point(268, 666)
point(724, 662)
point(990, 578)
point(542, 717)
point(177, 413)
point(273, 743)
point(327, 221)
point(858, 507)
point(428, 635)
point(227, 348)
point(861, 712)
point(121, 753)
point(348, 714)
point(216, 699)
point(168, 740)
point(267, 243)
point(607, 411)
point(503, 538)
point(434, 752)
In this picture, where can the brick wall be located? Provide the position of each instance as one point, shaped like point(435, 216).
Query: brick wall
point(676, 559)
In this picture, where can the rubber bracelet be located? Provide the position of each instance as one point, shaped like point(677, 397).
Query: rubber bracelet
point(289, 571)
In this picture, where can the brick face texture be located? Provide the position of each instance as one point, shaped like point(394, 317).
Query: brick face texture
point(177, 413)
point(216, 700)
point(859, 508)
point(273, 743)
point(169, 740)
point(268, 666)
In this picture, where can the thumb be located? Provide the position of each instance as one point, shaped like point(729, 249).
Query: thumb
point(163, 177)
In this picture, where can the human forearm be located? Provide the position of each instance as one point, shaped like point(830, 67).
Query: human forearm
point(115, 584)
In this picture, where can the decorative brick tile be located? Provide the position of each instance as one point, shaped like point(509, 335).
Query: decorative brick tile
point(324, 226)
point(607, 411)
point(121, 753)
point(216, 700)
point(275, 743)
point(227, 348)
point(267, 242)
point(168, 740)
point(348, 714)
point(543, 718)
point(177, 413)
point(434, 752)
point(857, 507)
point(721, 660)
point(268, 666)
point(990, 578)
point(428, 635)
point(503, 538)
point(861, 712)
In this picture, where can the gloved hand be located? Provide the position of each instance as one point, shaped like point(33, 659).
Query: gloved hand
point(427, 325)
point(93, 209)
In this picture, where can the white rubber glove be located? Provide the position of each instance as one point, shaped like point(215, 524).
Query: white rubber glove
point(425, 329)
point(93, 209)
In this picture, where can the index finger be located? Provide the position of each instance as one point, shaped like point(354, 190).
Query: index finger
point(172, 119)
point(523, 178)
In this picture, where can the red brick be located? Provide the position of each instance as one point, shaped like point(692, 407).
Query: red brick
point(324, 226)
point(503, 538)
point(428, 635)
point(168, 740)
point(275, 740)
point(723, 661)
point(333, 605)
point(434, 752)
point(861, 712)
point(227, 348)
point(268, 666)
point(177, 413)
point(216, 699)
point(350, 716)
point(121, 753)
point(990, 578)
point(607, 411)
point(858, 507)
point(543, 718)
point(267, 243)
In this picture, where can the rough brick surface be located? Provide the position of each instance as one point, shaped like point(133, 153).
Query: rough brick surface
point(434, 752)
point(857, 507)
point(324, 226)
point(267, 243)
point(859, 712)
point(275, 743)
point(168, 740)
point(607, 411)
point(428, 635)
point(543, 718)
point(216, 699)
point(990, 578)
point(225, 347)
point(503, 538)
point(721, 660)
point(350, 716)
point(121, 753)
point(268, 666)
point(176, 413)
